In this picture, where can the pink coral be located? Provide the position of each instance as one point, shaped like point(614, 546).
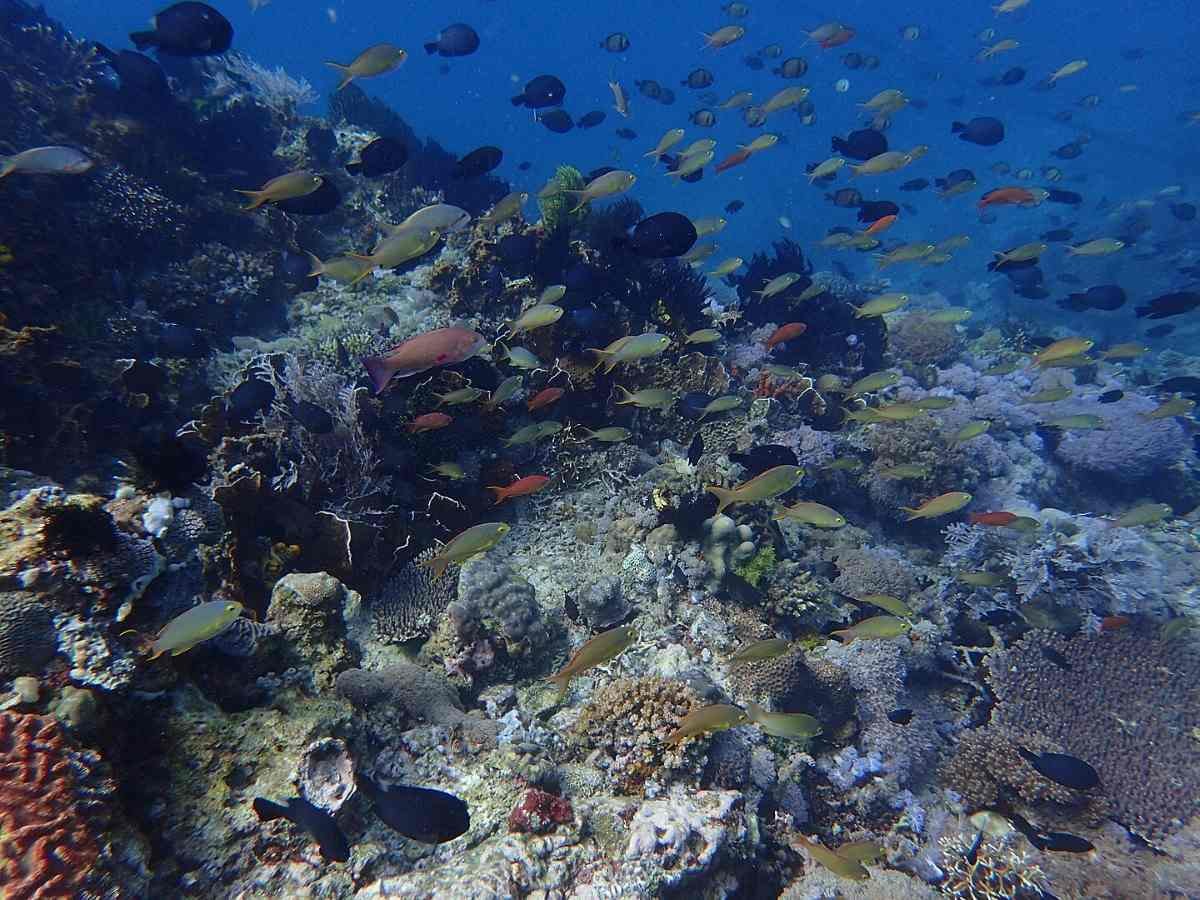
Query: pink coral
point(540, 811)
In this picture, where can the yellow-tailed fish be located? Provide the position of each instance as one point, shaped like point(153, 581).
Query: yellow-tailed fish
point(717, 717)
point(195, 626)
point(889, 161)
point(779, 284)
point(870, 383)
point(1131, 350)
point(1178, 406)
point(1075, 65)
point(727, 267)
point(520, 358)
point(878, 628)
point(905, 470)
point(827, 168)
point(934, 403)
point(828, 859)
point(693, 163)
point(970, 431)
point(378, 59)
point(720, 405)
point(984, 579)
point(889, 604)
point(797, 726)
point(790, 96)
point(899, 412)
point(942, 505)
point(594, 652)
point(342, 269)
point(450, 470)
point(1049, 395)
point(807, 512)
point(646, 398)
point(397, 249)
point(703, 336)
point(459, 397)
point(1072, 346)
point(632, 349)
point(612, 434)
point(709, 225)
point(552, 293)
point(952, 316)
point(665, 143)
point(1080, 422)
point(770, 483)
point(300, 183)
point(507, 207)
point(1145, 514)
point(904, 253)
point(475, 540)
point(758, 651)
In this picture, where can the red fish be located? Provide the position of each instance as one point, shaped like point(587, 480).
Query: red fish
point(544, 398)
point(1006, 195)
point(733, 159)
point(1112, 623)
point(440, 347)
point(428, 422)
point(882, 224)
point(839, 37)
point(785, 333)
point(992, 518)
point(522, 487)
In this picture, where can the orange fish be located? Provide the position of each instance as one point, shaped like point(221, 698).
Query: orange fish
point(522, 487)
point(440, 347)
point(429, 422)
point(882, 224)
point(1006, 195)
point(785, 333)
point(1112, 623)
point(839, 37)
point(544, 398)
point(733, 159)
point(992, 518)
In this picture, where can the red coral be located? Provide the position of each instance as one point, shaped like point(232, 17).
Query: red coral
point(47, 848)
point(540, 811)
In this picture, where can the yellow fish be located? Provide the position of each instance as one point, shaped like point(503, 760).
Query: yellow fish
point(942, 505)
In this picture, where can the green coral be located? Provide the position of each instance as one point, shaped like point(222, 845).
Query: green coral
point(758, 566)
point(556, 205)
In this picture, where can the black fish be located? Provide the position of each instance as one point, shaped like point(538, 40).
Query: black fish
point(295, 268)
point(187, 29)
point(248, 399)
point(765, 456)
point(478, 162)
point(617, 42)
point(662, 236)
point(698, 79)
point(649, 88)
point(1000, 617)
point(324, 199)
point(1188, 385)
point(1073, 150)
point(1111, 396)
point(525, 166)
point(423, 814)
point(862, 144)
point(973, 851)
point(705, 118)
point(691, 404)
point(695, 449)
point(1184, 212)
point(543, 91)
point(557, 120)
point(455, 40)
point(627, 134)
point(957, 177)
point(1062, 842)
point(900, 716)
point(916, 184)
point(845, 197)
point(379, 157)
point(1057, 658)
point(1106, 297)
point(1054, 195)
point(1015, 75)
point(1068, 771)
point(734, 206)
point(316, 821)
point(666, 96)
point(142, 79)
point(793, 67)
point(1057, 235)
point(592, 119)
point(321, 142)
point(673, 162)
point(740, 590)
point(1170, 305)
point(1159, 331)
point(874, 210)
point(982, 130)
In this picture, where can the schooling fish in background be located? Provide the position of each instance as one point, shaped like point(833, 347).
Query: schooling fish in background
point(423, 814)
point(1169, 305)
point(317, 822)
point(186, 29)
point(477, 162)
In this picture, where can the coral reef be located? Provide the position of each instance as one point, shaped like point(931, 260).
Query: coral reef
point(26, 635)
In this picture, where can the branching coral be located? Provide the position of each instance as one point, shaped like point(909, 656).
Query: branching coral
point(995, 871)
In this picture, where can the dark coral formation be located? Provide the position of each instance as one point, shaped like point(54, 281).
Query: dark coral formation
point(410, 602)
point(26, 634)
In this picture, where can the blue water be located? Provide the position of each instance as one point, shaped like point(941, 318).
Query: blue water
point(1138, 145)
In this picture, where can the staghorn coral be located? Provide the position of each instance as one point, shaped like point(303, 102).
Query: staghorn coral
point(627, 722)
point(998, 870)
point(1124, 693)
point(409, 603)
point(26, 634)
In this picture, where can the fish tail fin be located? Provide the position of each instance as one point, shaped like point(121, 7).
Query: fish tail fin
point(912, 513)
point(626, 396)
point(381, 373)
point(344, 71)
point(501, 493)
point(518, 100)
point(354, 168)
point(437, 565)
point(602, 354)
point(846, 635)
point(956, 127)
point(143, 39)
point(1025, 754)
point(268, 810)
point(316, 267)
point(724, 496)
point(257, 199)
point(562, 681)
point(431, 48)
point(7, 166)
point(855, 171)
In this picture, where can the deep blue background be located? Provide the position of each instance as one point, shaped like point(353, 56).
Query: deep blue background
point(1138, 144)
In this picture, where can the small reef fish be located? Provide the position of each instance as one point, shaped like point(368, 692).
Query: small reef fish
point(314, 820)
point(522, 487)
point(790, 96)
point(520, 358)
point(342, 269)
point(970, 431)
point(879, 628)
point(450, 470)
point(538, 316)
point(829, 167)
point(1081, 422)
point(423, 814)
point(1131, 350)
point(1049, 395)
point(724, 36)
point(606, 185)
point(1069, 771)
point(507, 207)
point(1098, 247)
point(771, 483)
point(727, 267)
point(1075, 65)
point(506, 390)
point(665, 143)
point(992, 518)
point(612, 434)
point(459, 397)
point(785, 333)
point(871, 383)
point(703, 336)
point(758, 651)
point(594, 652)
point(544, 398)
point(904, 253)
point(905, 470)
point(716, 717)
point(691, 164)
point(778, 284)
point(934, 403)
point(440, 216)
point(889, 604)
point(532, 433)
point(1145, 514)
point(552, 293)
point(798, 726)
point(889, 161)
point(300, 183)
point(620, 99)
point(984, 579)
point(46, 161)
point(475, 540)
point(378, 59)
point(710, 225)
point(646, 398)
point(942, 505)
point(397, 249)
point(1062, 349)
point(194, 626)
point(736, 158)
point(440, 347)
point(720, 405)
point(631, 349)
point(1007, 196)
point(1179, 406)
point(806, 512)
point(428, 422)
point(828, 859)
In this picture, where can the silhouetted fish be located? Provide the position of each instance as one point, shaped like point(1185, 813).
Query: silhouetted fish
point(423, 814)
point(314, 820)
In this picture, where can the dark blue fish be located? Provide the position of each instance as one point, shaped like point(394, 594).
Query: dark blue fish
point(1055, 657)
point(477, 162)
point(187, 29)
point(454, 40)
point(142, 80)
point(861, 145)
point(316, 821)
point(1056, 195)
point(1069, 771)
point(423, 814)
point(1015, 75)
point(900, 716)
point(874, 210)
point(662, 236)
point(543, 91)
point(695, 449)
point(557, 120)
point(381, 156)
point(1058, 235)
point(983, 130)
point(591, 119)
point(1174, 304)
point(1111, 396)
point(321, 142)
point(764, 456)
point(691, 404)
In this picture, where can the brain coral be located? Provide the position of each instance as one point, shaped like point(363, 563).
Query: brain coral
point(26, 635)
point(47, 846)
